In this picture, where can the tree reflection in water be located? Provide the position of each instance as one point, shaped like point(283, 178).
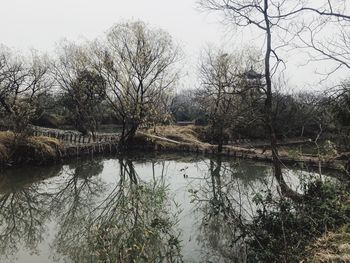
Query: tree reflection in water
point(73, 200)
point(225, 201)
point(132, 223)
point(124, 217)
point(23, 210)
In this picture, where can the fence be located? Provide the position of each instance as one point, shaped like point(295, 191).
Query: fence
point(76, 138)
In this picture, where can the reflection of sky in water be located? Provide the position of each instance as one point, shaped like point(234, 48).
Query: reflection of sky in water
point(81, 187)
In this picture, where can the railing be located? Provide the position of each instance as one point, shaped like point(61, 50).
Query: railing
point(76, 138)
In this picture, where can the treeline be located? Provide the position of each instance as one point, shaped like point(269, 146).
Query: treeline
point(128, 78)
point(298, 114)
point(231, 102)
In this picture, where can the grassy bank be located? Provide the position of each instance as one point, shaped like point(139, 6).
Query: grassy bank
point(189, 139)
point(331, 247)
point(17, 148)
point(171, 138)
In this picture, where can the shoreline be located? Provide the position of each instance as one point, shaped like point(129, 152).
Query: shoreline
point(84, 147)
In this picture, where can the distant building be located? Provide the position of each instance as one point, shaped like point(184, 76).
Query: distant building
point(252, 75)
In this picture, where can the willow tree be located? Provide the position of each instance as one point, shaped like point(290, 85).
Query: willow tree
point(139, 66)
point(279, 21)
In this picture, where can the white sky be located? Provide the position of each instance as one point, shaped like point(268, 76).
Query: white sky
point(40, 24)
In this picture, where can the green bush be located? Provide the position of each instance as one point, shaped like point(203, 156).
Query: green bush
point(283, 228)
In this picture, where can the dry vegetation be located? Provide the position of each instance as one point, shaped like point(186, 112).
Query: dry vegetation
point(16, 147)
point(332, 247)
point(6, 140)
point(171, 135)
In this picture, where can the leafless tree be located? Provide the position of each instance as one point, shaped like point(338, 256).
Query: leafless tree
point(83, 87)
point(279, 22)
point(22, 82)
point(139, 65)
point(326, 36)
point(224, 91)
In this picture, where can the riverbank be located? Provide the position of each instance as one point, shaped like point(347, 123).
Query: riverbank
point(185, 139)
point(331, 247)
point(50, 148)
point(52, 145)
point(18, 149)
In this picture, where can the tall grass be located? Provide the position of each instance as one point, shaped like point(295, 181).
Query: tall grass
point(22, 148)
point(181, 134)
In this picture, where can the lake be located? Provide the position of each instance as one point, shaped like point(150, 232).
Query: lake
point(160, 208)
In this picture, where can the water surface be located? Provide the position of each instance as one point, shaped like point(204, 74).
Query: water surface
point(167, 208)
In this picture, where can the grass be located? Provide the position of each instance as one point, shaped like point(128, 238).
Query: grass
point(20, 148)
point(181, 135)
point(331, 247)
point(46, 146)
point(6, 140)
point(173, 137)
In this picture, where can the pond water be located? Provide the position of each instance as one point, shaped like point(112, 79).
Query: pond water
point(165, 208)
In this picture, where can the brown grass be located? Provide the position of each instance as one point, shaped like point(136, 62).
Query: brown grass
point(46, 146)
point(332, 247)
point(6, 139)
point(14, 147)
point(184, 135)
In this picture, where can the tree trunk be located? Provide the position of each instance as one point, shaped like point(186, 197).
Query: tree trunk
point(268, 101)
point(277, 164)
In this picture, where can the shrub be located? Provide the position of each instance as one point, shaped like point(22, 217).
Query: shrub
point(283, 228)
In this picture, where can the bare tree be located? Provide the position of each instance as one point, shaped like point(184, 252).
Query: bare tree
point(278, 21)
point(138, 64)
point(224, 91)
point(22, 82)
point(84, 88)
point(326, 36)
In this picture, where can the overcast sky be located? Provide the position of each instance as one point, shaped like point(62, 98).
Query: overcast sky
point(40, 24)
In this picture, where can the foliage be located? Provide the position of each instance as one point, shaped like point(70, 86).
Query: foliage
point(83, 89)
point(84, 100)
point(303, 112)
point(185, 106)
point(283, 228)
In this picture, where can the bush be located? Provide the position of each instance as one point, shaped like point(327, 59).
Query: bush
point(283, 228)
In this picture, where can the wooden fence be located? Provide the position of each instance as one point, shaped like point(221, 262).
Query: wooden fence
point(76, 138)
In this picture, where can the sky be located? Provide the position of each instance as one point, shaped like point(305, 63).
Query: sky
point(40, 24)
